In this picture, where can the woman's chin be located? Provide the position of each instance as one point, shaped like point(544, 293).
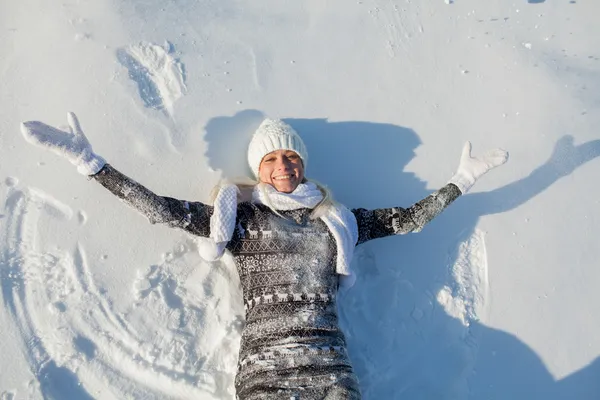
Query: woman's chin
point(287, 187)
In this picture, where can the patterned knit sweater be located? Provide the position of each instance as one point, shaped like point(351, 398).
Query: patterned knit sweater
point(292, 346)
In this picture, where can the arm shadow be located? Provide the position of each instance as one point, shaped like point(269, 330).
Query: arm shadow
point(565, 158)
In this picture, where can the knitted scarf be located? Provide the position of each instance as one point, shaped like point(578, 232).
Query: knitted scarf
point(340, 221)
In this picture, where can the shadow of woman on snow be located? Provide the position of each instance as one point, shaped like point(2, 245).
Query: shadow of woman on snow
point(402, 343)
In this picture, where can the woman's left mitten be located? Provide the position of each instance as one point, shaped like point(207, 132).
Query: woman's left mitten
point(472, 168)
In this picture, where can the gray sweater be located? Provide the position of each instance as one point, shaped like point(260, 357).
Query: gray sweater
point(292, 346)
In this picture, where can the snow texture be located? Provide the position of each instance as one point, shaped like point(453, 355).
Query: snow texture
point(159, 76)
point(466, 301)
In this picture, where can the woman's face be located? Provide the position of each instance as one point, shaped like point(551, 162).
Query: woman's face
point(282, 169)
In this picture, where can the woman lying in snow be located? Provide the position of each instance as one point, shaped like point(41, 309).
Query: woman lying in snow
point(292, 246)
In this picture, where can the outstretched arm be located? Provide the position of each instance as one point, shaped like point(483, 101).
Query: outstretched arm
point(383, 222)
point(75, 147)
point(193, 217)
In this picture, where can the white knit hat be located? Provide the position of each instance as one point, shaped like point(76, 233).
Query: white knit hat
point(271, 135)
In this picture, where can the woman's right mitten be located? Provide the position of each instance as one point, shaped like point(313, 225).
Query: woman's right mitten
point(72, 145)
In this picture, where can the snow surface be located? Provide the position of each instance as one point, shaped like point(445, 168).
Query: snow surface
point(496, 299)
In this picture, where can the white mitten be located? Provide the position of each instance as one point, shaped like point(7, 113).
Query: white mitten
point(472, 168)
point(222, 223)
point(72, 145)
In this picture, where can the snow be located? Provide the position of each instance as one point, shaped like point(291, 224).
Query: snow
point(159, 76)
point(496, 298)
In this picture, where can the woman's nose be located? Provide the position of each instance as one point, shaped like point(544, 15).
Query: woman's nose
point(283, 164)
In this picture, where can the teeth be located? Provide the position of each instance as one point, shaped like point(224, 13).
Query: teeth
point(281, 177)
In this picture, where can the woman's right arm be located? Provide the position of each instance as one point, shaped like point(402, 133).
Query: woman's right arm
point(73, 145)
point(193, 217)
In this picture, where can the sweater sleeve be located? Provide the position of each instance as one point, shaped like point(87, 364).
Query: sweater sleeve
point(194, 217)
point(381, 222)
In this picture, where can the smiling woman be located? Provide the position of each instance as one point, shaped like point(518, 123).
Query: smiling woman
point(292, 246)
point(282, 169)
point(277, 155)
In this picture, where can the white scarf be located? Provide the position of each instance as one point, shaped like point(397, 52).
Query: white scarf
point(340, 221)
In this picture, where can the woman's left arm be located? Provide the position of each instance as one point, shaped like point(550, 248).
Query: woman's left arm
point(373, 224)
point(381, 222)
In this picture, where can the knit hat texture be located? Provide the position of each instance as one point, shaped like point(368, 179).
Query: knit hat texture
point(271, 135)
